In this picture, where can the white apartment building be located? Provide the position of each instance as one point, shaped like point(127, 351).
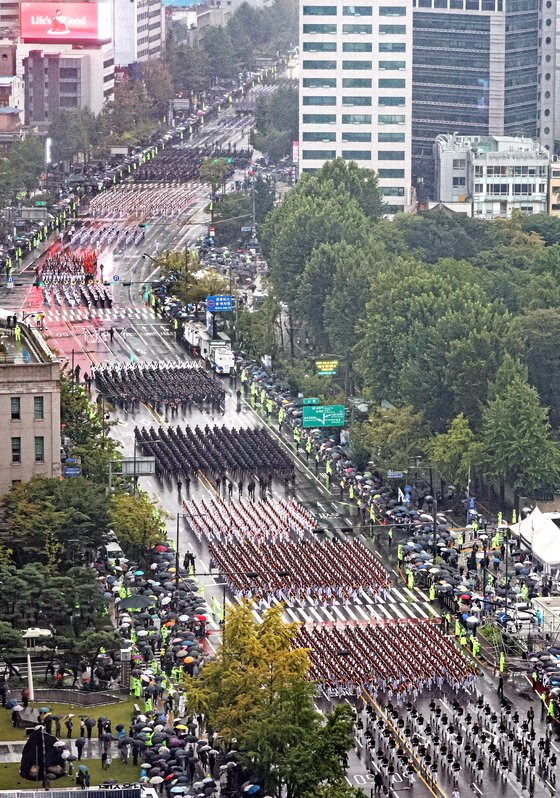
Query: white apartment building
point(138, 31)
point(356, 90)
point(495, 174)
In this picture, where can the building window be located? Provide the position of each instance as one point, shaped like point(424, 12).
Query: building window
point(319, 47)
point(39, 449)
point(356, 47)
point(316, 27)
point(313, 135)
point(392, 209)
point(362, 138)
point(392, 191)
point(319, 83)
point(392, 30)
point(319, 100)
point(356, 65)
point(356, 119)
point(319, 119)
point(313, 155)
point(459, 163)
point(16, 408)
point(385, 137)
point(391, 155)
point(392, 65)
point(319, 64)
point(356, 101)
point(319, 11)
point(458, 182)
point(391, 100)
point(356, 155)
point(364, 30)
point(392, 47)
point(392, 11)
point(391, 83)
point(16, 450)
point(391, 119)
point(393, 173)
point(38, 408)
point(356, 11)
point(356, 83)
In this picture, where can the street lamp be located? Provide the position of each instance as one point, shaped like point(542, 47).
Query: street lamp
point(484, 541)
point(505, 529)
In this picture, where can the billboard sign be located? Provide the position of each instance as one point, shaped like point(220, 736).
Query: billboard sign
point(70, 23)
point(295, 152)
point(222, 302)
point(326, 367)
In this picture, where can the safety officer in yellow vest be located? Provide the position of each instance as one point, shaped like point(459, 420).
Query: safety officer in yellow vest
point(459, 541)
point(400, 554)
point(263, 397)
point(475, 647)
point(432, 592)
point(457, 629)
point(351, 492)
point(317, 461)
point(281, 417)
point(214, 606)
point(409, 579)
point(297, 438)
point(308, 448)
point(502, 662)
point(390, 536)
point(524, 592)
point(269, 408)
point(328, 471)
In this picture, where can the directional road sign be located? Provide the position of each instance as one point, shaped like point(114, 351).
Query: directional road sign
point(247, 229)
point(311, 400)
point(323, 416)
point(395, 474)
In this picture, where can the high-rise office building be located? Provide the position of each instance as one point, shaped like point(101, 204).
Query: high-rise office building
point(481, 67)
point(138, 31)
point(356, 89)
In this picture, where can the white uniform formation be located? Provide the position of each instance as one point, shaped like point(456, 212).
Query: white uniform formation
point(142, 201)
point(260, 522)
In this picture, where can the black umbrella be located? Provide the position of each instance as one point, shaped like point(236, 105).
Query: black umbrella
point(136, 602)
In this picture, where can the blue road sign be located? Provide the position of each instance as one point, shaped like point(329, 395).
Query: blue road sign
point(10, 280)
point(116, 278)
point(246, 229)
point(222, 302)
point(75, 471)
point(395, 474)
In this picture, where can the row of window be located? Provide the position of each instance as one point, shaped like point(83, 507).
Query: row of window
point(346, 100)
point(392, 65)
point(353, 83)
point(330, 27)
point(347, 136)
point(353, 11)
point(510, 171)
point(354, 119)
point(356, 155)
point(523, 189)
point(353, 47)
point(39, 449)
point(38, 408)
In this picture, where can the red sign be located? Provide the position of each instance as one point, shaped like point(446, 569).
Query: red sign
point(65, 22)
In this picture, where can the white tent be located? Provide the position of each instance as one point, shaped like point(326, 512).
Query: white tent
point(540, 532)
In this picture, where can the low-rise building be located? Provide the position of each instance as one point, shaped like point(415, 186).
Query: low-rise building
point(63, 79)
point(496, 174)
point(29, 406)
point(554, 188)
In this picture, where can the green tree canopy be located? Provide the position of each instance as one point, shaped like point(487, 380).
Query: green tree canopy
point(516, 446)
point(392, 437)
point(135, 524)
point(540, 330)
point(454, 452)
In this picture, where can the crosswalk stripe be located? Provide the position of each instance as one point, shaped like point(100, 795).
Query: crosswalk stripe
point(395, 609)
point(407, 611)
point(395, 593)
point(362, 613)
point(329, 616)
point(420, 593)
point(431, 610)
point(292, 614)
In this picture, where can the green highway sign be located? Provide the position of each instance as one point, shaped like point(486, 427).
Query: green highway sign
point(323, 416)
point(311, 400)
point(40, 204)
point(326, 367)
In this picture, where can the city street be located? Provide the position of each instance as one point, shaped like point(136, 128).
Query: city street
point(130, 331)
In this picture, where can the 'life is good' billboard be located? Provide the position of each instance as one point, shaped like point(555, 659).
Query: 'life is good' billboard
point(69, 23)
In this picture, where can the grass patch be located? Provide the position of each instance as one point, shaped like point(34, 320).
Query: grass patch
point(121, 772)
point(120, 712)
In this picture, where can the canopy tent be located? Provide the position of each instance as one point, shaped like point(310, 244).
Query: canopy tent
point(540, 532)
